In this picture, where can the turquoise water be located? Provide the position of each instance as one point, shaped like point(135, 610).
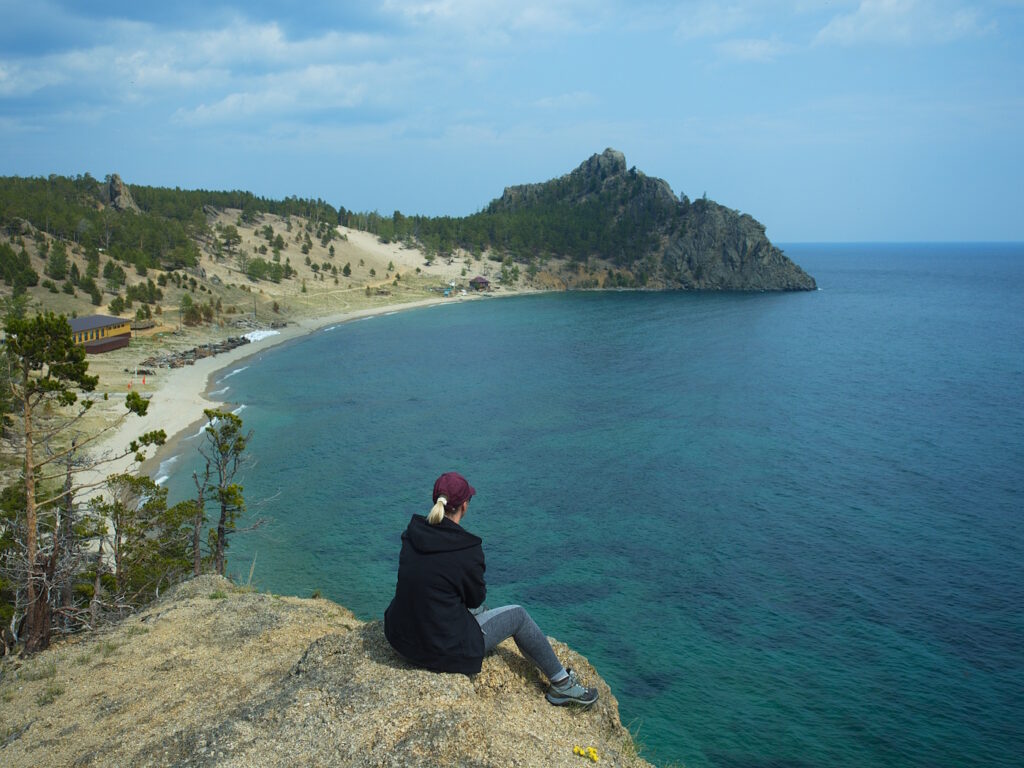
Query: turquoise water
point(785, 528)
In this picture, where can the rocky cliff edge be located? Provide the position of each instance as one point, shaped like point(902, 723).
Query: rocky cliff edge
point(215, 675)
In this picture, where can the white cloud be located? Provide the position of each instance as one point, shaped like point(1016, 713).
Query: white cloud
point(156, 75)
point(19, 80)
point(302, 91)
point(234, 106)
point(477, 21)
point(752, 49)
point(241, 43)
point(566, 100)
point(904, 22)
point(711, 20)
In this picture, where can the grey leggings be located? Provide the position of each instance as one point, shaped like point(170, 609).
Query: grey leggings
point(513, 621)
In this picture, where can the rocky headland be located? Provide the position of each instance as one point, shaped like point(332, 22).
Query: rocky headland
point(217, 675)
point(667, 241)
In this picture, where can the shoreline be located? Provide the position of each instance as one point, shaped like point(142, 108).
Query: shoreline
point(182, 394)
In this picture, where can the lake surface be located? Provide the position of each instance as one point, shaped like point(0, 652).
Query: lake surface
point(785, 528)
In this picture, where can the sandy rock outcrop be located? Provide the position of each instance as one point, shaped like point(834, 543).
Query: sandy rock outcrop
point(19, 227)
point(213, 675)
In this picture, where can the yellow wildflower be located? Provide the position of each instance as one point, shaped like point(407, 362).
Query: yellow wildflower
point(588, 752)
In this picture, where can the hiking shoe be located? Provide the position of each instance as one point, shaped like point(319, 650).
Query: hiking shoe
point(571, 691)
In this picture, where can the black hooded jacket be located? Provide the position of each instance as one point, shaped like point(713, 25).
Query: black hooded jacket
point(440, 577)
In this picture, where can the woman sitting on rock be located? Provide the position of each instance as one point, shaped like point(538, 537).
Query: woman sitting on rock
point(437, 619)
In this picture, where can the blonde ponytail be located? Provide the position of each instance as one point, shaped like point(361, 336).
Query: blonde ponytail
point(437, 511)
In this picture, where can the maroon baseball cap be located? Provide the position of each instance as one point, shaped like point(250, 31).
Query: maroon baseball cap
point(454, 488)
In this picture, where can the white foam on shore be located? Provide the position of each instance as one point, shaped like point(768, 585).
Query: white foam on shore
point(220, 391)
point(259, 335)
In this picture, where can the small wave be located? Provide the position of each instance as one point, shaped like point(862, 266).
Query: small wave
point(239, 409)
point(220, 391)
point(259, 335)
point(164, 470)
point(166, 463)
point(325, 330)
point(237, 370)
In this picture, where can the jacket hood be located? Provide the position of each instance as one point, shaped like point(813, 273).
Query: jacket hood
point(446, 536)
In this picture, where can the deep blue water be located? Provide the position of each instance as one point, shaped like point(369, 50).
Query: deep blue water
point(785, 528)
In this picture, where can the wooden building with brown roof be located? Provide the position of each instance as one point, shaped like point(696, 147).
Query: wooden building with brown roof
point(101, 333)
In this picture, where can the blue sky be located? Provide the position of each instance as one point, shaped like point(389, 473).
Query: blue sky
point(860, 120)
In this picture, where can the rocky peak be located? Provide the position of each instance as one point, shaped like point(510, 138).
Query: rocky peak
point(598, 172)
point(611, 162)
point(118, 195)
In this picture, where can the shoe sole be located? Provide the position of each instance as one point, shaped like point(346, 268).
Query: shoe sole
point(563, 701)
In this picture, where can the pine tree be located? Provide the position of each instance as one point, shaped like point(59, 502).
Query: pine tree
point(149, 540)
point(47, 369)
point(224, 450)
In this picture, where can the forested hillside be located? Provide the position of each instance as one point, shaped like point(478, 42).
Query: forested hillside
point(164, 235)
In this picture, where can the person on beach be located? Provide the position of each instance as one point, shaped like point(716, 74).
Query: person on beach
point(437, 619)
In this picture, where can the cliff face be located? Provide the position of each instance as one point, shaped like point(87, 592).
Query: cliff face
point(720, 249)
point(215, 675)
point(670, 241)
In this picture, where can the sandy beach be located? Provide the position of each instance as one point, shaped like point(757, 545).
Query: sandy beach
point(179, 396)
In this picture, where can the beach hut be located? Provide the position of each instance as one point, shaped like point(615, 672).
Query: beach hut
point(100, 333)
point(479, 283)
